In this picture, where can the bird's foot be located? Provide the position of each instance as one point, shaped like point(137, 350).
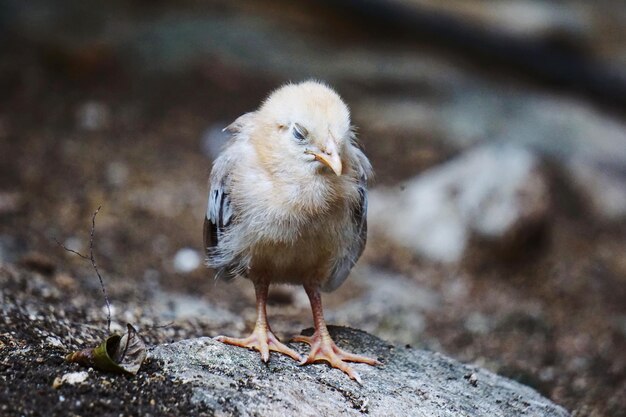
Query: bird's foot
point(324, 349)
point(262, 340)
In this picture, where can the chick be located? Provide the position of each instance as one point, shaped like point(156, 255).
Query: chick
point(287, 205)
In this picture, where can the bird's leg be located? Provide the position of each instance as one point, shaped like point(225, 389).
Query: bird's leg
point(323, 348)
point(262, 338)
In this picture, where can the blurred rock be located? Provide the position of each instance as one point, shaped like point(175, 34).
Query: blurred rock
point(473, 112)
point(400, 320)
point(489, 192)
point(603, 185)
point(117, 173)
point(92, 115)
point(477, 323)
point(541, 122)
point(539, 19)
point(74, 243)
point(174, 306)
point(586, 142)
point(233, 381)
point(525, 18)
point(186, 260)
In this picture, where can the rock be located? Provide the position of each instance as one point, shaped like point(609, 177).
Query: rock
point(523, 18)
point(175, 306)
point(92, 116)
point(471, 112)
point(602, 184)
point(535, 19)
point(234, 381)
point(402, 321)
point(186, 260)
point(53, 341)
point(71, 378)
point(75, 244)
point(490, 192)
point(548, 125)
point(117, 173)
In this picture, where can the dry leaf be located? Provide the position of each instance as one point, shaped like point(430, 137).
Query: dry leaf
point(120, 354)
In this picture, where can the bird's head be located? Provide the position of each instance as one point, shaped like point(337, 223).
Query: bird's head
point(305, 128)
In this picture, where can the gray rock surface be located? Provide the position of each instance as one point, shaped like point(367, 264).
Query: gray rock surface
point(234, 381)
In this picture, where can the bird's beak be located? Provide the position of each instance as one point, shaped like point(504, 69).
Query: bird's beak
point(329, 156)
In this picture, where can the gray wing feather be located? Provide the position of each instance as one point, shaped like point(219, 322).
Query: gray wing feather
point(218, 220)
point(220, 212)
point(218, 216)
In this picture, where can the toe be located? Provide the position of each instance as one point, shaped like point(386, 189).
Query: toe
point(277, 346)
point(234, 341)
point(338, 363)
point(352, 374)
point(302, 339)
point(265, 355)
point(351, 357)
point(291, 353)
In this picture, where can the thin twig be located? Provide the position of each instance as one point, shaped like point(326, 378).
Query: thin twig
point(92, 258)
point(70, 250)
point(95, 267)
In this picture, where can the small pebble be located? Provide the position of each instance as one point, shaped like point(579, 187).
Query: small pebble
point(117, 173)
point(473, 380)
point(71, 378)
point(186, 260)
point(93, 116)
point(53, 341)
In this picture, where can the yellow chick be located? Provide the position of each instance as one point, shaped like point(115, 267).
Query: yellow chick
point(288, 205)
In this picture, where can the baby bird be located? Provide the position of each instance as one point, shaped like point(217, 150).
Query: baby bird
point(287, 205)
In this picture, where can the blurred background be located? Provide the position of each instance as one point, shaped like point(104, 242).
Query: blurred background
point(496, 129)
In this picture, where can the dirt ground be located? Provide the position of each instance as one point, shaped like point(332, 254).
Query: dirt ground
point(554, 319)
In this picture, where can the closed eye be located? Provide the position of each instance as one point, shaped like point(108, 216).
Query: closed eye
point(299, 132)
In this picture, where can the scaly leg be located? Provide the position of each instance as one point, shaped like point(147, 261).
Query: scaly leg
point(323, 348)
point(262, 338)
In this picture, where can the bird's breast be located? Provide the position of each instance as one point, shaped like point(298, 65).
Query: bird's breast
point(290, 231)
point(293, 249)
point(307, 257)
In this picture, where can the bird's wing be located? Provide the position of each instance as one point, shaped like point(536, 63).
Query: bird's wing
point(218, 220)
point(219, 215)
point(220, 212)
point(357, 245)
